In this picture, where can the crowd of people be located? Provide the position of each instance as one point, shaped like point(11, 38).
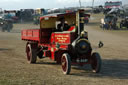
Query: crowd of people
point(109, 22)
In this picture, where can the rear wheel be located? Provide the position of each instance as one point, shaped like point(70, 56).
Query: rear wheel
point(5, 27)
point(3, 30)
point(31, 53)
point(96, 62)
point(66, 63)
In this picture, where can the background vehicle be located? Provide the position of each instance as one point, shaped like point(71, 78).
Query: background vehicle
point(36, 19)
point(11, 15)
point(86, 19)
point(110, 5)
point(6, 25)
point(124, 23)
point(113, 4)
point(37, 14)
point(109, 22)
point(67, 47)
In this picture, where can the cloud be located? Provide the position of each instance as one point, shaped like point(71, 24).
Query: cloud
point(18, 4)
point(67, 1)
point(72, 1)
point(75, 3)
point(11, 0)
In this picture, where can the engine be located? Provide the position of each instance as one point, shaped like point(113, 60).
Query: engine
point(82, 46)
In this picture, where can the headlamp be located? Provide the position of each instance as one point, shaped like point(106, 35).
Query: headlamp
point(84, 34)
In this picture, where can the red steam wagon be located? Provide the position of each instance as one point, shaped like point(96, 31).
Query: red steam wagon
point(67, 47)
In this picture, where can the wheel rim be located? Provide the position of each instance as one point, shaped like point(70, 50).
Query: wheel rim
point(64, 63)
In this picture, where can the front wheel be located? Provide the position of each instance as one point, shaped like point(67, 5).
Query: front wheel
point(96, 62)
point(66, 63)
point(31, 54)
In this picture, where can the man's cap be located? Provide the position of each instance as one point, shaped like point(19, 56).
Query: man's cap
point(61, 18)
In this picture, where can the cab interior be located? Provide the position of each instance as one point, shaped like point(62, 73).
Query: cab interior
point(48, 25)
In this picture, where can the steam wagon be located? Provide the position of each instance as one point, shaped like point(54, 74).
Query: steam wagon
point(67, 47)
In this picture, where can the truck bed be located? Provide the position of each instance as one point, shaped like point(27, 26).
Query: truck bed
point(31, 35)
point(47, 36)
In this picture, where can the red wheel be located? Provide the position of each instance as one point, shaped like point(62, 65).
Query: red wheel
point(31, 54)
point(96, 62)
point(66, 63)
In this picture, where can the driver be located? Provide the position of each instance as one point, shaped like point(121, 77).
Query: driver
point(62, 26)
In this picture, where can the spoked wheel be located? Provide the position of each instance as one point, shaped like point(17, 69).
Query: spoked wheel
point(66, 63)
point(31, 54)
point(96, 62)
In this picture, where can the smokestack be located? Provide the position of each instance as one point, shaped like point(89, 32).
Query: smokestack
point(80, 20)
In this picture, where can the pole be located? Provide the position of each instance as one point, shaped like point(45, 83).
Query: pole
point(92, 5)
point(80, 3)
point(0, 10)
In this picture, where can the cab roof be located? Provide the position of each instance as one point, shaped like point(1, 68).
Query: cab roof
point(55, 15)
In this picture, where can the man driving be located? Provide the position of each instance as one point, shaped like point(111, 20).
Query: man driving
point(62, 26)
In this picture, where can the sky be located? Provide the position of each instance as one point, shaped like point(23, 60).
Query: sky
point(27, 4)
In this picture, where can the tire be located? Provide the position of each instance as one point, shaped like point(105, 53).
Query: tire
point(120, 26)
point(96, 62)
point(3, 30)
point(66, 63)
point(31, 54)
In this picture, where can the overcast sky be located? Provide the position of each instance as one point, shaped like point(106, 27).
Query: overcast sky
point(24, 4)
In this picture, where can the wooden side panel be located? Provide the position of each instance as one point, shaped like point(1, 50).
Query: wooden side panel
point(31, 34)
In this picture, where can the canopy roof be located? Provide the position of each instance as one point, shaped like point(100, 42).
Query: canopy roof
point(51, 20)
